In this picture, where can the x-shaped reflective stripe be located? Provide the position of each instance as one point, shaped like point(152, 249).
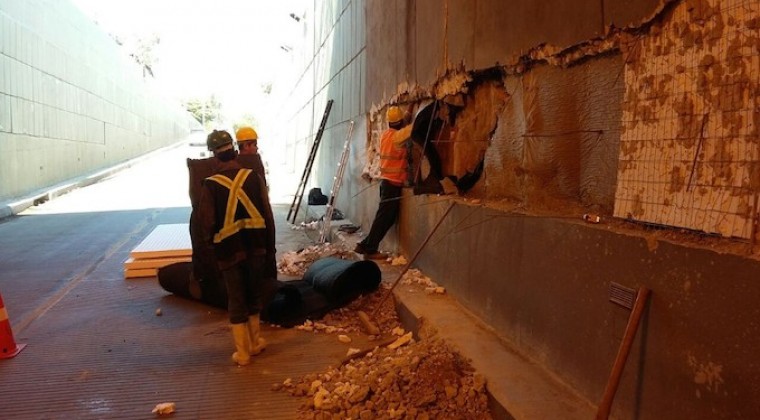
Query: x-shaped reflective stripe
point(237, 195)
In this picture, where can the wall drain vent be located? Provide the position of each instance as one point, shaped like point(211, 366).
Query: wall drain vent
point(622, 295)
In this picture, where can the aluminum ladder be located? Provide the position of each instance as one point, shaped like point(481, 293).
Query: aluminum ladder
point(324, 234)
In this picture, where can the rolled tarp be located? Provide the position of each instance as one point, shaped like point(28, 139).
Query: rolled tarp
point(328, 284)
point(342, 281)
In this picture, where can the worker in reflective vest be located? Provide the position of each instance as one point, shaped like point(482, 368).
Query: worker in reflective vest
point(394, 143)
point(236, 220)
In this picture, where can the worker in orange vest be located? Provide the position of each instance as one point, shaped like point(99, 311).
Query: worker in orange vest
point(394, 143)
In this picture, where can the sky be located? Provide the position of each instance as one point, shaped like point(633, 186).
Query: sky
point(229, 48)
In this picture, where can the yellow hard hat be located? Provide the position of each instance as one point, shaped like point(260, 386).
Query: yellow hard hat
point(246, 134)
point(394, 114)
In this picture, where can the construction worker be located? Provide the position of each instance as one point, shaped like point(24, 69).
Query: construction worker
point(248, 144)
point(393, 175)
point(248, 140)
point(235, 219)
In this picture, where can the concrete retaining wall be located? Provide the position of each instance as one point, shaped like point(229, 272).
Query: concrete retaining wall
point(71, 101)
point(543, 282)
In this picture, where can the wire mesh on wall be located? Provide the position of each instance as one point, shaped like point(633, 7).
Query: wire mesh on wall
point(689, 147)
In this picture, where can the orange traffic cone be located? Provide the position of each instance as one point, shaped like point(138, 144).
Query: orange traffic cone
point(8, 346)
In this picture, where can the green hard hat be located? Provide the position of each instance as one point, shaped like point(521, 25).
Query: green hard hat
point(218, 139)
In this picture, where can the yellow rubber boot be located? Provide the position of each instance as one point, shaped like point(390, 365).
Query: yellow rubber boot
point(242, 340)
point(258, 344)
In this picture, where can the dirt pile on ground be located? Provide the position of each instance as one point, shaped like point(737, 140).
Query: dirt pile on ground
point(418, 380)
point(398, 378)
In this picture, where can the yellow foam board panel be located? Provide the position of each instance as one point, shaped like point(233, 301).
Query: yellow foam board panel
point(165, 241)
point(142, 272)
point(134, 264)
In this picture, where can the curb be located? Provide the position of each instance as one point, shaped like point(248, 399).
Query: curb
point(13, 208)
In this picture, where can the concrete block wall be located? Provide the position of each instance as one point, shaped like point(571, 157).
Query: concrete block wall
point(71, 101)
point(329, 64)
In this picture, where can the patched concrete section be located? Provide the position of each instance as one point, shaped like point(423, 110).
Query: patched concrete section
point(689, 148)
point(557, 137)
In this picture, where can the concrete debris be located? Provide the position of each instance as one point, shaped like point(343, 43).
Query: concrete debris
point(398, 331)
point(453, 82)
point(164, 408)
point(310, 326)
point(313, 225)
point(422, 380)
point(415, 276)
point(404, 339)
point(399, 260)
point(352, 351)
point(344, 338)
point(297, 262)
point(345, 320)
point(435, 290)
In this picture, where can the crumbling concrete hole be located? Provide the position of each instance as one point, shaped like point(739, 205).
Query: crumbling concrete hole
point(451, 135)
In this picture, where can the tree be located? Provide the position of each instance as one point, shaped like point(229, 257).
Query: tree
point(205, 110)
point(144, 53)
point(245, 120)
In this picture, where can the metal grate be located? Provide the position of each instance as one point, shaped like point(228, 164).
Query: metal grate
point(622, 295)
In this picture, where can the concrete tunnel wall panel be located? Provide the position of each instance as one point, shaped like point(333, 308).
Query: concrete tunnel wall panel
point(543, 285)
point(71, 100)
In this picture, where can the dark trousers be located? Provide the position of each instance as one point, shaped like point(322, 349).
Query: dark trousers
point(244, 283)
point(387, 213)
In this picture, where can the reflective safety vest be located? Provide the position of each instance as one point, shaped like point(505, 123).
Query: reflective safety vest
point(237, 196)
point(393, 157)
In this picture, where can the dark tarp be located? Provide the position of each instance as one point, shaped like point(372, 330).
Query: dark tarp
point(328, 284)
point(342, 281)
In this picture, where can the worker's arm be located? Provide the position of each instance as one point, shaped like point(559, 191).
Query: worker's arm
point(402, 135)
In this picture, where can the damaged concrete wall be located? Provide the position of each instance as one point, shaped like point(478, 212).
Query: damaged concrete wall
point(415, 42)
point(548, 102)
point(689, 148)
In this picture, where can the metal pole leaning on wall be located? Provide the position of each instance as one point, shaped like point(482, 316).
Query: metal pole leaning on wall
point(603, 412)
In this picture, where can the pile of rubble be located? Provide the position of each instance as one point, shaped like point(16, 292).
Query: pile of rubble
point(399, 378)
point(345, 319)
point(420, 380)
